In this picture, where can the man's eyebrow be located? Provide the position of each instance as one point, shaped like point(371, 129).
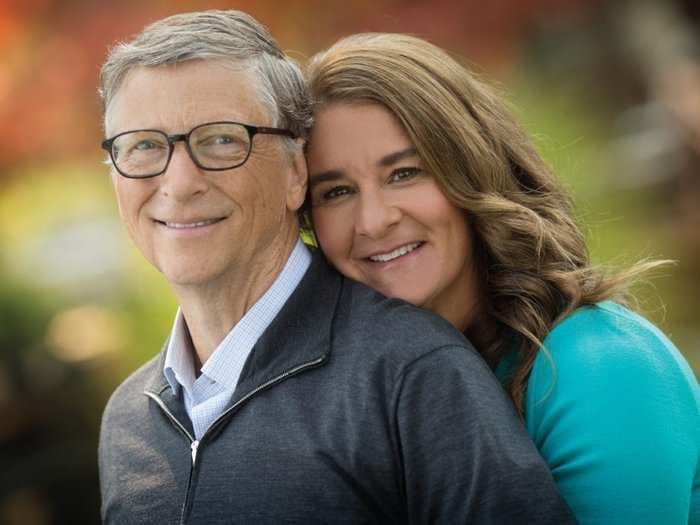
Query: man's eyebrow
point(325, 176)
point(393, 158)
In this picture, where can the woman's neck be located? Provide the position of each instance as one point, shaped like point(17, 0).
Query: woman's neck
point(484, 333)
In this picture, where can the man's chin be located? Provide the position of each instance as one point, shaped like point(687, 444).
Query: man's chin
point(188, 275)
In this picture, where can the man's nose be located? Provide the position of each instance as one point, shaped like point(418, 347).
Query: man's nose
point(182, 179)
point(376, 214)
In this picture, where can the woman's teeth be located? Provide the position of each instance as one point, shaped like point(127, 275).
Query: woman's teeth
point(398, 252)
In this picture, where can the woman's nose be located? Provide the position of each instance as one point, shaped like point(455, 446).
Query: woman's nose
point(376, 215)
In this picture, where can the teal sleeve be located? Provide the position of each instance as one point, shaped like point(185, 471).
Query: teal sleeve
point(614, 410)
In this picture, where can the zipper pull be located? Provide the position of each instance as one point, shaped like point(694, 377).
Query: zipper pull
point(194, 446)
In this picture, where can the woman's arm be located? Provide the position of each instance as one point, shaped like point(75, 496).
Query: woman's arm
point(617, 419)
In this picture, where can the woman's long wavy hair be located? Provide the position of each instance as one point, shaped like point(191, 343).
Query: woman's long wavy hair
point(531, 257)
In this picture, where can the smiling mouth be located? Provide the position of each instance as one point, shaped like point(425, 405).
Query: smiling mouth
point(189, 225)
point(395, 254)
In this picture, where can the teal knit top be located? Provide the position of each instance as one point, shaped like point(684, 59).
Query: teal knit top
point(614, 409)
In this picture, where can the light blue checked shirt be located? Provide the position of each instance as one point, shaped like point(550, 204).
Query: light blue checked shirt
point(207, 396)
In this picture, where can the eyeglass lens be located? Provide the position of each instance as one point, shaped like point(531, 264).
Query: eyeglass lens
point(213, 146)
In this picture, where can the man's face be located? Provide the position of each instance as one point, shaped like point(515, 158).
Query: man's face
point(205, 227)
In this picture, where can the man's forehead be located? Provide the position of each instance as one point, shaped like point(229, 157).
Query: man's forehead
point(177, 97)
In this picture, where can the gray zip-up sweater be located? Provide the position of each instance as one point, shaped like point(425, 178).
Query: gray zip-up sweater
point(351, 408)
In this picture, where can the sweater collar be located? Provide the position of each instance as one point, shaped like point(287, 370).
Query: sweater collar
point(300, 334)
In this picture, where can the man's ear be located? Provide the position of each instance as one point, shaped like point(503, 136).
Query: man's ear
point(114, 177)
point(298, 177)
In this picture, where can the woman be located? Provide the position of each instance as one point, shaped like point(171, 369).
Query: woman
point(423, 187)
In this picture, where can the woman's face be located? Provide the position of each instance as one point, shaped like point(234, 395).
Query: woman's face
point(381, 219)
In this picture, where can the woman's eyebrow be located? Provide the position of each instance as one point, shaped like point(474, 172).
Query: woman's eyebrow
point(325, 176)
point(393, 158)
point(387, 160)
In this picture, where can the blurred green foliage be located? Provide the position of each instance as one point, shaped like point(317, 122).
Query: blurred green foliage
point(624, 224)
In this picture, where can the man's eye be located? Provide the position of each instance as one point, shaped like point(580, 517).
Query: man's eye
point(145, 145)
point(219, 140)
point(403, 174)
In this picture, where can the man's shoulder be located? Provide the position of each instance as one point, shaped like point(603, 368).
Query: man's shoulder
point(383, 325)
point(131, 390)
point(354, 315)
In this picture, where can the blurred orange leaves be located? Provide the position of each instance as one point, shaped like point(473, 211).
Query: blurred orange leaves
point(48, 104)
point(52, 50)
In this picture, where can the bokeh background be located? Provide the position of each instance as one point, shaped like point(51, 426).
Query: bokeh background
point(610, 90)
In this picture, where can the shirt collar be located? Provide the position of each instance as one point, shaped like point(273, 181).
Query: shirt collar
point(225, 364)
point(178, 366)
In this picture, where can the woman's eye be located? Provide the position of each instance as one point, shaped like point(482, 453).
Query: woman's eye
point(325, 196)
point(402, 174)
point(334, 193)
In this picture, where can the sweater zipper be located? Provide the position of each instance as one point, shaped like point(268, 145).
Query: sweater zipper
point(194, 443)
point(265, 385)
point(194, 446)
point(164, 408)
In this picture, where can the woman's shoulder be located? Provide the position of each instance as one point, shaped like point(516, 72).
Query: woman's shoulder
point(609, 341)
point(606, 360)
point(611, 403)
point(595, 323)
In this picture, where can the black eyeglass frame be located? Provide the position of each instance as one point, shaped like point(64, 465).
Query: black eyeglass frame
point(185, 137)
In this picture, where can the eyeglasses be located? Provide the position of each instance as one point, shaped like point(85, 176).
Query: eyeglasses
point(214, 146)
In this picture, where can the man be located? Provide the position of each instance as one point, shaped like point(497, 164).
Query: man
point(285, 393)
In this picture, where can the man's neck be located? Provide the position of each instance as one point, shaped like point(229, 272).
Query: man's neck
point(212, 310)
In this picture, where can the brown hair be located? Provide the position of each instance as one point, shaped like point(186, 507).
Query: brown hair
point(531, 257)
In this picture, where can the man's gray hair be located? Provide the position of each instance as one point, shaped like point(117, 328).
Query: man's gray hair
point(230, 37)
